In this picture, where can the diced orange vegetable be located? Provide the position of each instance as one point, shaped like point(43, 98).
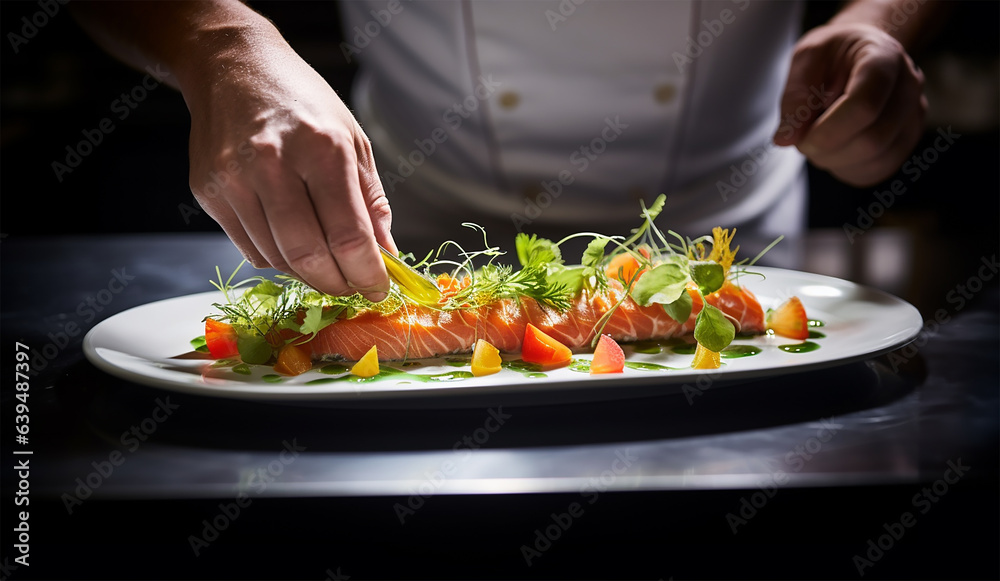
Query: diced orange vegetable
point(627, 264)
point(608, 357)
point(485, 359)
point(293, 360)
point(789, 320)
point(706, 359)
point(542, 349)
point(367, 366)
point(220, 338)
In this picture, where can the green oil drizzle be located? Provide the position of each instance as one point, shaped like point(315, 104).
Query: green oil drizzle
point(391, 373)
point(737, 351)
point(656, 346)
point(333, 369)
point(580, 365)
point(450, 376)
point(803, 347)
point(322, 380)
point(816, 323)
point(686, 349)
point(458, 361)
point(816, 335)
point(648, 347)
point(242, 369)
point(273, 378)
point(529, 370)
point(649, 366)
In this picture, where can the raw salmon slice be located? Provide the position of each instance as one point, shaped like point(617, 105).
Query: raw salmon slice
point(418, 332)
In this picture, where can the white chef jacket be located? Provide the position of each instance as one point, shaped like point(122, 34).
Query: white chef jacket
point(549, 114)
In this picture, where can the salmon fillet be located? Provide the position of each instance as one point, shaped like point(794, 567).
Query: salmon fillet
point(417, 332)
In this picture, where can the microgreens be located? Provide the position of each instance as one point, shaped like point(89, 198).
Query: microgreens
point(668, 273)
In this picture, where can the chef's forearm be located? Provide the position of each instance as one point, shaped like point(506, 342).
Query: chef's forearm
point(908, 21)
point(193, 41)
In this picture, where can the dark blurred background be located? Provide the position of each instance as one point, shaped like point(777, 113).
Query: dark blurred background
point(58, 84)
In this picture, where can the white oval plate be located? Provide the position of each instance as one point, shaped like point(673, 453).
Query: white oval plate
point(142, 343)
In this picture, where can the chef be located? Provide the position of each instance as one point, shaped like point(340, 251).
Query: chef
point(551, 116)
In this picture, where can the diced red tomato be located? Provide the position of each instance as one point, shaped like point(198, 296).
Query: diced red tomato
point(789, 320)
point(608, 357)
point(542, 349)
point(220, 338)
point(293, 360)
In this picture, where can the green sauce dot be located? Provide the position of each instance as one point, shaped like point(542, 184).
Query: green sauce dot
point(803, 347)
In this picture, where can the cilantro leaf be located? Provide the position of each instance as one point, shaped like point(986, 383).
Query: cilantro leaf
point(680, 310)
point(253, 349)
point(708, 275)
point(713, 330)
point(534, 251)
point(663, 284)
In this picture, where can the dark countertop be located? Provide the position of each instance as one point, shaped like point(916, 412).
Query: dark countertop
point(847, 447)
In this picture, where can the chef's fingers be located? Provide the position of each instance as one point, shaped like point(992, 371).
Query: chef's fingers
point(293, 224)
point(219, 205)
point(875, 76)
point(330, 171)
point(374, 194)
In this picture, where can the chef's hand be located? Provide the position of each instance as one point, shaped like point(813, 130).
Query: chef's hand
point(295, 182)
point(853, 103)
point(276, 158)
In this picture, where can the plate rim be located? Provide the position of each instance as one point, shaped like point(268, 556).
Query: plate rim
point(669, 384)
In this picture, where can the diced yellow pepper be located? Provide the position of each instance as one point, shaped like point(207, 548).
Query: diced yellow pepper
point(485, 359)
point(705, 359)
point(367, 366)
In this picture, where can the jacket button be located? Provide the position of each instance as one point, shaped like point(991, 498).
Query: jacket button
point(665, 93)
point(509, 99)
